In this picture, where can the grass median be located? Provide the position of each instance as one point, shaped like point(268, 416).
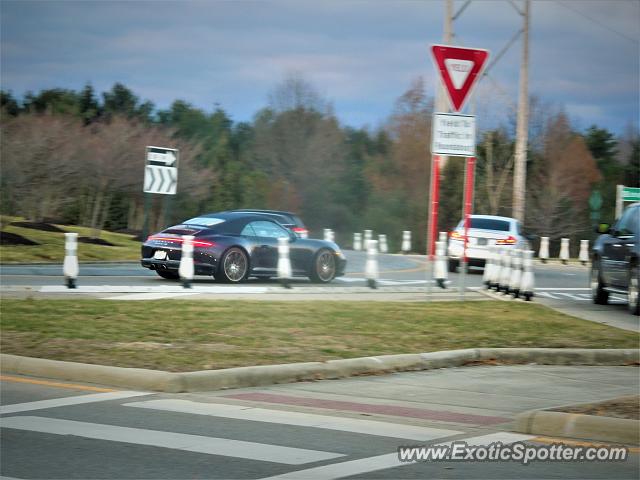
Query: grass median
point(199, 335)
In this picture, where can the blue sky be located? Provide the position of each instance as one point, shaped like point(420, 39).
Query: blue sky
point(360, 54)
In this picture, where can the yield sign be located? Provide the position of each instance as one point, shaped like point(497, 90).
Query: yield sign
point(459, 69)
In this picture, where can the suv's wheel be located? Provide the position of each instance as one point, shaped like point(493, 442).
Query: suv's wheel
point(234, 266)
point(324, 267)
point(632, 290)
point(168, 274)
point(599, 295)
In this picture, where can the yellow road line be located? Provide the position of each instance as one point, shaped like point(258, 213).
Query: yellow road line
point(577, 443)
point(8, 378)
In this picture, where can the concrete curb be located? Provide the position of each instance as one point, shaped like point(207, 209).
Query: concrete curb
point(239, 377)
point(575, 425)
point(208, 380)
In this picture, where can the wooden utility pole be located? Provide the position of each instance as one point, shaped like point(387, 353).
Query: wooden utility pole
point(522, 133)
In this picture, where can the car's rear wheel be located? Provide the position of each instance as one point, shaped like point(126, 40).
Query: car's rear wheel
point(599, 295)
point(632, 290)
point(168, 274)
point(234, 266)
point(324, 267)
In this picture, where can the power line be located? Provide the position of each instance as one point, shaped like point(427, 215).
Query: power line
point(597, 22)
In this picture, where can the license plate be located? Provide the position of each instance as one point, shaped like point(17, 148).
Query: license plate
point(482, 241)
point(160, 255)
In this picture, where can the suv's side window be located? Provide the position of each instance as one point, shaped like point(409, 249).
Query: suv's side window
point(629, 222)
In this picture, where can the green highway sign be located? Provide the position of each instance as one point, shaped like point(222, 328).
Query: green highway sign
point(630, 194)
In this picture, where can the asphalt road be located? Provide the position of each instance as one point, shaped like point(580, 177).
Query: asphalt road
point(564, 287)
point(321, 430)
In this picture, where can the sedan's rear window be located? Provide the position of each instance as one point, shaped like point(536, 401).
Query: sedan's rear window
point(490, 224)
point(204, 221)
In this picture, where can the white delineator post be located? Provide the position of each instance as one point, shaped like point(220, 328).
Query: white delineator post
point(564, 250)
point(284, 262)
point(357, 242)
point(70, 267)
point(384, 248)
point(497, 268)
point(332, 235)
point(527, 282)
point(516, 273)
point(371, 267)
point(544, 249)
point(584, 252)
point(488, 267)
point(186, 270)
point(326, 234)
point(505, 272)
point(368, 235)
point(406, 241)
point(440, 269)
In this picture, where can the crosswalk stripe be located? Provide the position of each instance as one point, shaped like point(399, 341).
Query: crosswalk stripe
point(68, 401)
point(389, 460)
point(176, 441)
point(353, 425)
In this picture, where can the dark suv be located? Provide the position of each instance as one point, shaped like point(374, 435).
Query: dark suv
point(614, 260)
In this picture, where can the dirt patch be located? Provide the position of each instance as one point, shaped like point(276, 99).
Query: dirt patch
point(46, 227)
point(7, 238)
point(622, 407)
point(95, 241)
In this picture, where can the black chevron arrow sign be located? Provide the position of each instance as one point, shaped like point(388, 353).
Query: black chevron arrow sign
point(163, 180)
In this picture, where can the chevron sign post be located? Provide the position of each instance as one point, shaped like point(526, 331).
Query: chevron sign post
point(161, 171)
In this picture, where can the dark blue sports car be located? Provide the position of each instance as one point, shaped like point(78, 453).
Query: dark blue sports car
point(233, 246)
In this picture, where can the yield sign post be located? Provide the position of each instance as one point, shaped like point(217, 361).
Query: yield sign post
point(460, 69)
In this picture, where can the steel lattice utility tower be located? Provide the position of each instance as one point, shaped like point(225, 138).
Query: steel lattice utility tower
point(520, 160)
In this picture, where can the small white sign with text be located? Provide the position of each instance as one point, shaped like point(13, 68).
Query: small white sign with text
point(454, 135)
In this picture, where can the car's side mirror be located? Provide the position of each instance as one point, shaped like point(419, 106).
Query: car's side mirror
point(603, 228)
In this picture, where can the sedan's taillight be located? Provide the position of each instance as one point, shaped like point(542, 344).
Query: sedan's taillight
point(203, 243)
point(510, 240)
point(456, 236)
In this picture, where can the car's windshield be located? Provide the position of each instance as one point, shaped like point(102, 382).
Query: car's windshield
point(204, 221)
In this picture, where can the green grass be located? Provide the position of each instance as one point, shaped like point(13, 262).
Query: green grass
point(51, 248)
point(197, 335)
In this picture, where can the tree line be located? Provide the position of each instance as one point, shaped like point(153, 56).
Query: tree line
point(76, 157)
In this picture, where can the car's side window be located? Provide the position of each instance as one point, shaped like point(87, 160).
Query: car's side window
point(248, 231)
point(628, 223)
point(268, 229)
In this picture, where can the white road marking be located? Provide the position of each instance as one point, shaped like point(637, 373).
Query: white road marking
point(560, 289)
point(67, 401)
point(150, 289)
point(241, 412)
point(175, 441)
point(150, 296)
point(389, 460)
point(571, 296)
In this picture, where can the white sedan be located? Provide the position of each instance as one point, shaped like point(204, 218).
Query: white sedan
point(484, 231)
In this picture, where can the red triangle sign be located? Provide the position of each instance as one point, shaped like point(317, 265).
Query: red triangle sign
point(460, 69)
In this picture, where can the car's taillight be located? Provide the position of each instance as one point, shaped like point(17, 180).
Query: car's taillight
point(510, 240)
point(456, 235)
point(196, 243)
point(301, 232)
point(202, 243)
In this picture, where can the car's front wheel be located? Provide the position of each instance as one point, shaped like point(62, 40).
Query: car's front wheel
point(324, 267)
point(234, 266)
point(599, 295)
point(632, 290)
